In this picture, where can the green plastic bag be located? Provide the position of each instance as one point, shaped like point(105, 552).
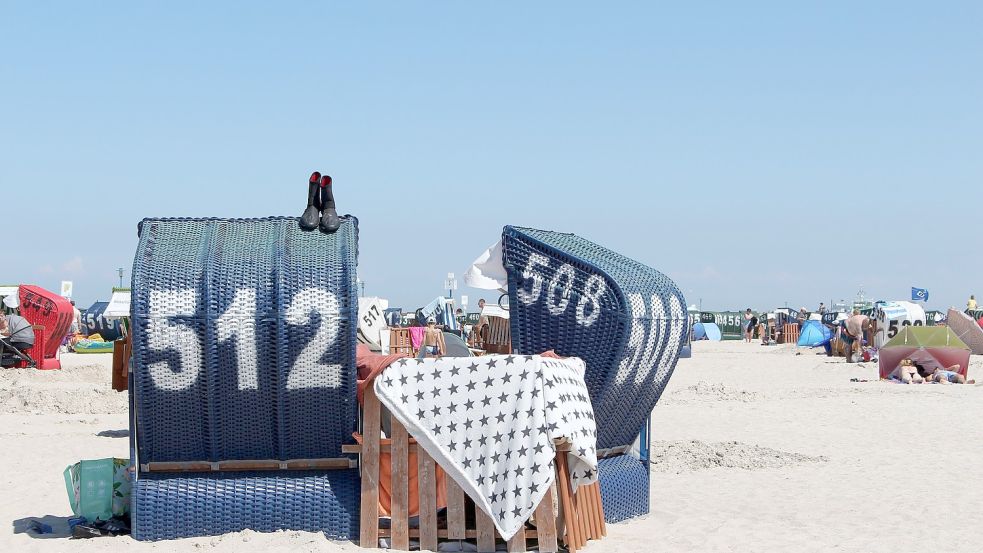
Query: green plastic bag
point(99, 489)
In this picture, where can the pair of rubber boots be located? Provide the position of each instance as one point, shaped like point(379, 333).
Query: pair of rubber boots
point(320, 205)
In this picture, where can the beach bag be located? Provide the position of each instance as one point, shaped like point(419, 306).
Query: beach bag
point(98, 489)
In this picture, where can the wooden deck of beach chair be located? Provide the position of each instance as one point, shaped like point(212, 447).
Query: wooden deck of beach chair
point(790, 332)
point(581, 516)
point(400, 342)
point(498, 338)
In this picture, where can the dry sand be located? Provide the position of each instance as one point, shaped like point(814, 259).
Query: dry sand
point(756, 449)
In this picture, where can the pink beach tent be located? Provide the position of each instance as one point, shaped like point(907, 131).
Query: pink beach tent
point(929, 346)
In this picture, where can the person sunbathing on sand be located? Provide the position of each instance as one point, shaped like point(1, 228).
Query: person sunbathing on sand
point(907, 372)
point(948, 375)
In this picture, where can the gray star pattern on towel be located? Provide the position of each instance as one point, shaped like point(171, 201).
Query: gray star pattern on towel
point(493, 425)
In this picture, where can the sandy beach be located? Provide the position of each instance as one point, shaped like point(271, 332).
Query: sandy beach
point(755, 449)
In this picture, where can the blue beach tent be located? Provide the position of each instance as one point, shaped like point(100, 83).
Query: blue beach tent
point(706, 331)
point(814, 334)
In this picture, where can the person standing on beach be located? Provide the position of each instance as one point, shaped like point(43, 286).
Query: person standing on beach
point(76, 327)
point(479, 328)
point(971, 304)
point(822, 309)
point(750, 322)
point(433, 340)
point(853, 332)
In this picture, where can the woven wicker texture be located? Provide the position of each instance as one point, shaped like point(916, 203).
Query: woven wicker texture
point(54, 313)
point(624, 487)
point(626, 320)
point(187, 505)
point(244, 339)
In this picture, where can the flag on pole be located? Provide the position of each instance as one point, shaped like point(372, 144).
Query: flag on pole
point(919, 294)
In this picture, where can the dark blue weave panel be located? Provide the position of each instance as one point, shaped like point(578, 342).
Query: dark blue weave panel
point(187, 505)
point(241, 267)
point(624, 487)
point(173, 423)
point(317, 408)
point(630, 346)
point(264, 314)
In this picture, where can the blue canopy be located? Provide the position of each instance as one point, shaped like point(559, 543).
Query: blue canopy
point(814, 334)
point(440, 310)
point(706, 331)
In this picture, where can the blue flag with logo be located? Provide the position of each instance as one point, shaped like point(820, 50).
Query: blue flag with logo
point(919, 294)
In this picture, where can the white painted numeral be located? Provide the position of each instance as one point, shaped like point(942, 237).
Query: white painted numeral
point(562, 282)
point(658, 327)
point(643, 353)
point(593, 290)
point(636, 337)
point(162, 335)
point(239, 323)
point(535, 280)
point(557, 308)
point(308, 366)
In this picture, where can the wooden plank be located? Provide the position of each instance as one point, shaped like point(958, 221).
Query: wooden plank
point(455, 510)
point(591, 506)
point(583, 517)
point(400, 487)
point(335, 463)
point(121, 358)
point(442, 533)
point(578, 505)
point(517, 543)
point(486, 531)
point(369, 520)
point(600, 508)
point(585, 513)
point(338, 463)
point(428, 500)
point(177, 466)
point(593, 525)
point(561, 522)
point(546, 524)
point(571, 533)
point(384, 448)
point(590, 520)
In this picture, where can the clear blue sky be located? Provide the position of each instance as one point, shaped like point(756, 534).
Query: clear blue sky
point(757, 153)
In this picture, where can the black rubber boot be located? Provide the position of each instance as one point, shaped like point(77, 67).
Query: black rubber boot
point(329, 218)
point(309, 220)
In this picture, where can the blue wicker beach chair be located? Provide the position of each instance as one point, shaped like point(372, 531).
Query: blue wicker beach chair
point(243, 368)
point(626, 320)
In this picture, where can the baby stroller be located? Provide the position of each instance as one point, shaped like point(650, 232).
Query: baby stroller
point(10, 355)
point(12, 352)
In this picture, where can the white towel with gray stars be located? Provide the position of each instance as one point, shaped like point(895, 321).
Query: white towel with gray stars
point(490, 422)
